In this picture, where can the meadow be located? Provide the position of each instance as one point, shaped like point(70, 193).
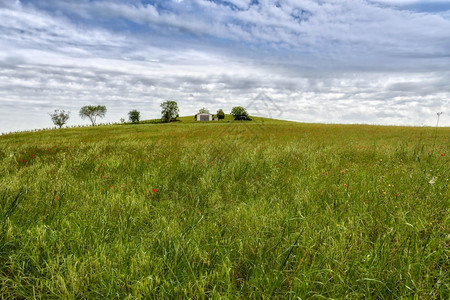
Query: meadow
point(261, 209)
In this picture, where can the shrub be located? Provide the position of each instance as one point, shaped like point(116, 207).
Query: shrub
point(220, 114)
point(239, 113)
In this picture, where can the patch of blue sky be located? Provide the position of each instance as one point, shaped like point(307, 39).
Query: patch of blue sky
point(429, 6)
point(227, 4)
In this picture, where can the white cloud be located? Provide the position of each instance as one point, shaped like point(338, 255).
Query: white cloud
point(345, 62)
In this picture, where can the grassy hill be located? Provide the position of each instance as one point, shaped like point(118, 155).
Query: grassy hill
point(257, 209)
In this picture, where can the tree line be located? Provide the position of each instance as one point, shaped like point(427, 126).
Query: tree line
point(169, 113)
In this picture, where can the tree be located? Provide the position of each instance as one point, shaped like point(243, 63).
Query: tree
point(92, 112)
point(239, 113)
point(203, 111)
point(220, 114)
point(134, 116)
point(60, 117)
point(169, 111)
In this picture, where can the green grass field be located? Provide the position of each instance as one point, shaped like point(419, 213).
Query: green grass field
point(260, 209)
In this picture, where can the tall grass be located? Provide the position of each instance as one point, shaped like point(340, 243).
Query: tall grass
point(262, 209)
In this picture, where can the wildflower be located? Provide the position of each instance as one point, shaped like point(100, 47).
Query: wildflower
point(20, 159)
point(396, 195)
point(345, 185)
point(432, 181)
point(111, 186)
point(306, 169)
point(212, 163)
point(326, 173)
point(154, 190)
point(442, 154)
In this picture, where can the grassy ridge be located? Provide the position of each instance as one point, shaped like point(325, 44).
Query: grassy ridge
point(260, 209)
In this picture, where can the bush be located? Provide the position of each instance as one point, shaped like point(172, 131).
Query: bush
point(220, 114)
point(239, 113)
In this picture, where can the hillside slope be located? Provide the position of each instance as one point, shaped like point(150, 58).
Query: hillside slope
point(256, 209)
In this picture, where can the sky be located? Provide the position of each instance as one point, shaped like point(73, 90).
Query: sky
point(361, 61)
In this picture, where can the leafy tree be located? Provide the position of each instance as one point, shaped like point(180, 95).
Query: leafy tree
point(239, 113)
point(60, 117)
point(220, 114)
point(203, 111)
point(169, 111)
point(92, 112)
point(134, 116)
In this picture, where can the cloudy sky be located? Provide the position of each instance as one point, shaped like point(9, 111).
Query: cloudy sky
point(336, 61)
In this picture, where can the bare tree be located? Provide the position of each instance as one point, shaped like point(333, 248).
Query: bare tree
point(60, 117)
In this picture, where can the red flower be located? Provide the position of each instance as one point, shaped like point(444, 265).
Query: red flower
point(111, 186)
point(396, 195)
point(345, 184)
point(154, 190)
point(326, 173)
point(20, 159)
point(442, 154)
point(212, 163)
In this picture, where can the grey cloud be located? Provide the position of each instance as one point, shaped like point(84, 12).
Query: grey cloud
point(330, 28)
point(343, 62)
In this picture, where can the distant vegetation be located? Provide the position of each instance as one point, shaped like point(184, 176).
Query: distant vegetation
point(93, 112)
point(240, 113)
point(220, 114)
point(134, 116)
point(169, 111)
point(60, 117)
point(263, 209)
point(203, 111)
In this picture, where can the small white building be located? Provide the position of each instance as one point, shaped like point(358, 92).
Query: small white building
point(204, 117)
